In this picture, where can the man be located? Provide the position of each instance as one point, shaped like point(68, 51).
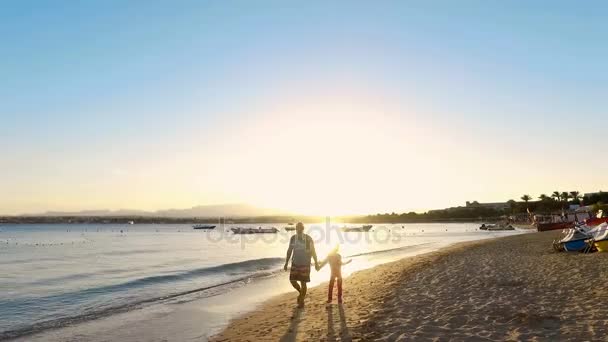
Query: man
point(303, 248)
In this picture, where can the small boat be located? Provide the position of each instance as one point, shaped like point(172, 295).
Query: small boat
point(574, 240)
point(364, 228)
point(486, 226)
point(498, 227)
point(596, 221)
point(544, 223)
point(203, 226)
point(259, 230)
point(289, 228)
point(543, 227)
point(131, 222)
point(600, 237)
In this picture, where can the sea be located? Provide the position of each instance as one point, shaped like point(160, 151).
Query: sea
point(58, 275)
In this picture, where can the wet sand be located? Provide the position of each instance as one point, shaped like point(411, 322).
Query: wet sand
point(511, 288)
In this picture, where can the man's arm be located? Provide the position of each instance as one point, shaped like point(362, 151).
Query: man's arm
point(313, 252)
point(289, 251)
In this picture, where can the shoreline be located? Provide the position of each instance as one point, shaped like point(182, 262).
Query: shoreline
point(316, 297)
point(147, 220)
point(507, 288)
point(203, 316)
point(205, 313)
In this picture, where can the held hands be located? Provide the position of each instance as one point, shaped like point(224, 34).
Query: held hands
point(285, 267)
point(317, 268)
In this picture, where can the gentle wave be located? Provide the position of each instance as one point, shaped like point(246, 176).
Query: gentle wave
point(249, 266)
point(132, 252)
point(28, 260)
point(249, 269)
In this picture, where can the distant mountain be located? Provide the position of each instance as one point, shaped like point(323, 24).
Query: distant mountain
point(220, 210)
point(121, 212)
point(217, 210)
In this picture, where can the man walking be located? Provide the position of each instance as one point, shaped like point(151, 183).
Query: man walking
point(303, 249)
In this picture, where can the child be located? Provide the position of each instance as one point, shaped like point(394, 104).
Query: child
point(335, 264)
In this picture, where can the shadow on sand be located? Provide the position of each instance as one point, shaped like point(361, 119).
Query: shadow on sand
point(344, 334)
point(336, 319)
point(292, 331)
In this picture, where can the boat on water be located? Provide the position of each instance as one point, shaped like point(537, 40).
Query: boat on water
point(364, 228)
point(249, 230)
point(496, 227)
point(203, 226)
point(290, 227)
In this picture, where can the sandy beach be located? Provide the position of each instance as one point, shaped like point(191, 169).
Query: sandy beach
point(511, 288)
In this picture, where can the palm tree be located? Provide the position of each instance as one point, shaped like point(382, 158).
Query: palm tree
point(564, 196)
point(557, 196)
point(576, 196)
point(526, 198)
point(543, 197)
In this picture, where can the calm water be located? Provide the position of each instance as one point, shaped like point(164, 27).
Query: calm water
point(53, 275)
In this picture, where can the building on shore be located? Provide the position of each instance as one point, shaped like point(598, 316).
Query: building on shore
point(471, 206)
point(495, 205)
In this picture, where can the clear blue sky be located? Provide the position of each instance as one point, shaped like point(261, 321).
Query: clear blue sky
point(155, 104)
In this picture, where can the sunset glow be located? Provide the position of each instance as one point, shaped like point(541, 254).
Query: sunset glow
point(300, 108)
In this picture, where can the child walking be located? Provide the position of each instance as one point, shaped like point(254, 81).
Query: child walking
point(334, 259)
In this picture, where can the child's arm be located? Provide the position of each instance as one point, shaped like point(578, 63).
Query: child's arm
point(313, 253)
point(347, 262)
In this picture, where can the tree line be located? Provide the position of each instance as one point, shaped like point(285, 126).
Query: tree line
point(557, 201)
point(545, 204)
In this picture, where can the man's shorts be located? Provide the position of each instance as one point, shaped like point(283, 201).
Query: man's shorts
point(300, 273)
